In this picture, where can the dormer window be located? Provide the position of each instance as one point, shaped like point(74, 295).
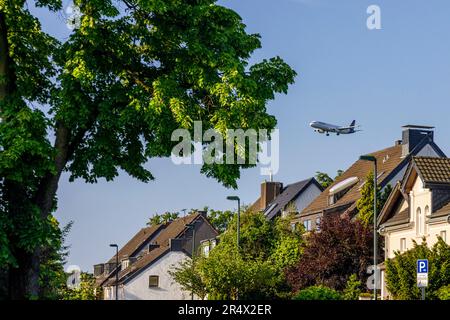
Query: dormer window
point(340, 189)
point(125, 264)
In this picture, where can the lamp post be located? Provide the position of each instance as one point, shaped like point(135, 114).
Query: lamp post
point(192, 226)
point(236, 198)
point(375, 186)
point(117, 269)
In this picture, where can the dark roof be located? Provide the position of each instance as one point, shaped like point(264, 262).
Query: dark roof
point(166, 232)
point(289, 193)
point(130, 248)
point(433, 170)
point(445, 210)
point(398, 218)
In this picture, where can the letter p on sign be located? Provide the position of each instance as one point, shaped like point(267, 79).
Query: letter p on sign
point(422, 266)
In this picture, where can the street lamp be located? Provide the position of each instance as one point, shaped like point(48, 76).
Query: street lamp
point(117, 269)
point(236, 198)
point(375, 186)
point(192, 226)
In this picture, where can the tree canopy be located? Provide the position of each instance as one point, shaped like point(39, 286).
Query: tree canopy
point(108, 98)
point(332, 255)
point(255, 270)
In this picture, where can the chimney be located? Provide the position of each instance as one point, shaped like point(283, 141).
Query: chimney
point(413, 135)
point(269, 190)
point(203, 213)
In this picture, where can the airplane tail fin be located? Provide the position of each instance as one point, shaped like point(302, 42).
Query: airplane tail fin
point(353, 124)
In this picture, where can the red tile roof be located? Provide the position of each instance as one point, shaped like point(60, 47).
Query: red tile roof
point(387, 160)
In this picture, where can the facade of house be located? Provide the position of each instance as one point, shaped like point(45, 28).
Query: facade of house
point(276, 200)
point(418, 207)
point(145, 260)
point(341, 197)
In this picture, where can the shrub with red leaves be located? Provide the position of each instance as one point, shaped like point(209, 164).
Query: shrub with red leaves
point(330, 256)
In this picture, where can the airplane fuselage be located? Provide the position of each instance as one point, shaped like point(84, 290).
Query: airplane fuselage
point(322, 127)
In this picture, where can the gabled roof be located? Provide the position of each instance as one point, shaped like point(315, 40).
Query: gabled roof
point(391, 213)
point(135, 244)
point(388, 161)
point(433, 170)
point(288, 194)
point(172, 230)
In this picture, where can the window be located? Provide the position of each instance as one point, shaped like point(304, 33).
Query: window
point(307, 225)
point(318, 220)
point(206, 249)
point(125, 264)
point(402, 244)
point(153, 281)
point(419, 221)
point(427, 213)
point(444, 235)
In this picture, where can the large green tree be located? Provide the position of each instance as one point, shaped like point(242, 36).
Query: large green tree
point(109, 97)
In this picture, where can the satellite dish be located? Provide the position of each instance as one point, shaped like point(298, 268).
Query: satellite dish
point(448, 218)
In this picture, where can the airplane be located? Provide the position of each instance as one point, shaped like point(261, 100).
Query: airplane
point(322, 127)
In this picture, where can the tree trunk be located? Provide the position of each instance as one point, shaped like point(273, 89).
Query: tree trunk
point(23, 281)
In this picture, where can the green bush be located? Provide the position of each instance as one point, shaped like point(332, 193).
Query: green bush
point(401, 271)
point(318, 293)
point(444, 293)
point(352, 290)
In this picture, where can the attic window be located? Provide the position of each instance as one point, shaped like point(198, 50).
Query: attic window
point(153, 281)
point(125, 263)
point(340, 189)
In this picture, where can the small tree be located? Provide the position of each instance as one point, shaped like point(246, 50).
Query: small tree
point(189, 278)
point(365, 202)
point(220, 219)
point(401, 271)
point(325, 180)
point(353, 288)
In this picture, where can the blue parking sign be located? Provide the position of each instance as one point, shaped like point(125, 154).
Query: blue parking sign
point(422, 266)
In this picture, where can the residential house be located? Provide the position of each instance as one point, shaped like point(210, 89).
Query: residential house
point(276, 200)
point(342, 196)
point(418, 207)
point(145, 260)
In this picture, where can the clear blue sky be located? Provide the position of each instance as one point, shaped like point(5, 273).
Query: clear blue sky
point(382, 78)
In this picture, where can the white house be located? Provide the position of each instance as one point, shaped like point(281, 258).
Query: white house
point(145, 261)
point(418, 207)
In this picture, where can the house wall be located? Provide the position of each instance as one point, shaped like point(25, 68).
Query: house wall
point(307, 196)
point(138, 287)
point(420, 199)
